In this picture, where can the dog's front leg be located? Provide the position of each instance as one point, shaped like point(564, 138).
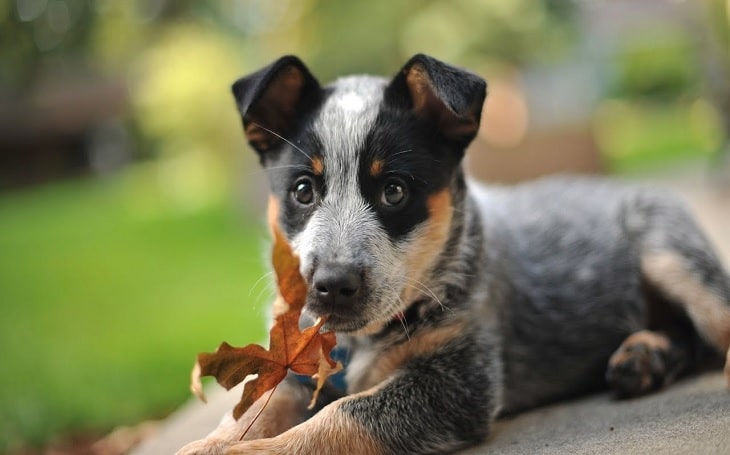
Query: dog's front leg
point(433, 404)
point(284, 408)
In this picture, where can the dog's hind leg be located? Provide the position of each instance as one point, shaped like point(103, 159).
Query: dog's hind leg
point(701, 291)
point(687, 293)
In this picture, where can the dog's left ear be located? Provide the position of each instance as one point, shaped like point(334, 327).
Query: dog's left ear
point(448, 98)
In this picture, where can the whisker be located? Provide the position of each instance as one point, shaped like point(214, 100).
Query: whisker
point(256, 172)
point(412, 177)
point(402, 317)
point(259, 281)
point(396, 307)
point(401, 152)
point(402, 320)
point(283, 139)
point(423, 288)
point(287, 166)
point(271, 294)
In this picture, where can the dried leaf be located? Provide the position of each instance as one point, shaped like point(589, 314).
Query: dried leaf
point(305, 352)
point(325, 370)
point(291, 284)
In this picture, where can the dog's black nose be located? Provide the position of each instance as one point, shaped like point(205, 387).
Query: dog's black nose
point(336, 284)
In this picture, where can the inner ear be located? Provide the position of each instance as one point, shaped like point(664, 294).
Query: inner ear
point(428, 105)
point(423, 96)
point(273, 99)
point(273, 112)
point(448, 98)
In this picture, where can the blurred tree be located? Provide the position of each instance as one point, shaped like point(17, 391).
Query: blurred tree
point(376, 36)
point(64, 51)
point(34, 31)
point(182, 103)
point(658, 65)
point(717, 67)
point(517, 32)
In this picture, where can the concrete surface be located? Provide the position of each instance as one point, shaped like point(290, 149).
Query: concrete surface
point(691, 417)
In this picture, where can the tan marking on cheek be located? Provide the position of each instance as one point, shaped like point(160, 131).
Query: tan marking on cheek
point(426, 248)
point(707, 311)
point(272, 213)
point(418, 345)
point(317, 165)
point(376, 168)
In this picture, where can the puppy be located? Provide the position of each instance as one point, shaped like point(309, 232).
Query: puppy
point(455, 302)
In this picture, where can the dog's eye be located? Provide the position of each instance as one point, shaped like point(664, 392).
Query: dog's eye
point(394, 193)
point(303, 191)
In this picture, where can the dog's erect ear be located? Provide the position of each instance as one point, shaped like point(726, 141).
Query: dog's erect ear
point(449, 98)
point(272, 99)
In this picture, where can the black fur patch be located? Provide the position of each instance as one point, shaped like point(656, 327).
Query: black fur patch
point(293, 163)
point(412, 153)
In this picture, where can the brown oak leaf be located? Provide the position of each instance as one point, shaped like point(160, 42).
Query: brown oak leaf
point(305, 352)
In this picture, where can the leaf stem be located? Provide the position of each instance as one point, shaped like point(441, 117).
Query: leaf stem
point(255, 418)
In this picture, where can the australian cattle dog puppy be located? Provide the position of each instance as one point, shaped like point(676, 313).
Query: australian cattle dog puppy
point(455, 302)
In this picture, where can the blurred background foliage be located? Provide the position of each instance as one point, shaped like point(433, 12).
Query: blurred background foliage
point(129, 205)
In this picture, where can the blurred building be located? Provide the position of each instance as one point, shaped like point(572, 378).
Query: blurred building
point(62, 129)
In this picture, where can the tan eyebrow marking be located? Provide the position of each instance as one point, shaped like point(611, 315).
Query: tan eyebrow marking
point(376, 168)
point(317, 165)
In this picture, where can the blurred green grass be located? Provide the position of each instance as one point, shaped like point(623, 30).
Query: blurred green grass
point(105, 302)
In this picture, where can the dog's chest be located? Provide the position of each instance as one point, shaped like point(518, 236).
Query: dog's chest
point(359, 375)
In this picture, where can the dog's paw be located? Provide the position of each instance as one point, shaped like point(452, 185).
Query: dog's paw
point(639, 365)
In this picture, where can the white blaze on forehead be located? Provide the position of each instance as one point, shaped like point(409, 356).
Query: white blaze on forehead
point(346, 118)
point(343, 220)
point(351, 102)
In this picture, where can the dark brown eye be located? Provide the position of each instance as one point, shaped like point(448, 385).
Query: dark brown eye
point(303, 191)
point(394, 193)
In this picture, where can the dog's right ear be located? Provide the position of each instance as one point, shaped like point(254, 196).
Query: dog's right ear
point(450, 99)
point(272, 100)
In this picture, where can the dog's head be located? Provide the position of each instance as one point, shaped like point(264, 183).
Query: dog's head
point(363, 176)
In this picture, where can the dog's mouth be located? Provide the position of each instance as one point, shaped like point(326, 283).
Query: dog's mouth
point(337, 319)
point(343, 324)
point(349, 320)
